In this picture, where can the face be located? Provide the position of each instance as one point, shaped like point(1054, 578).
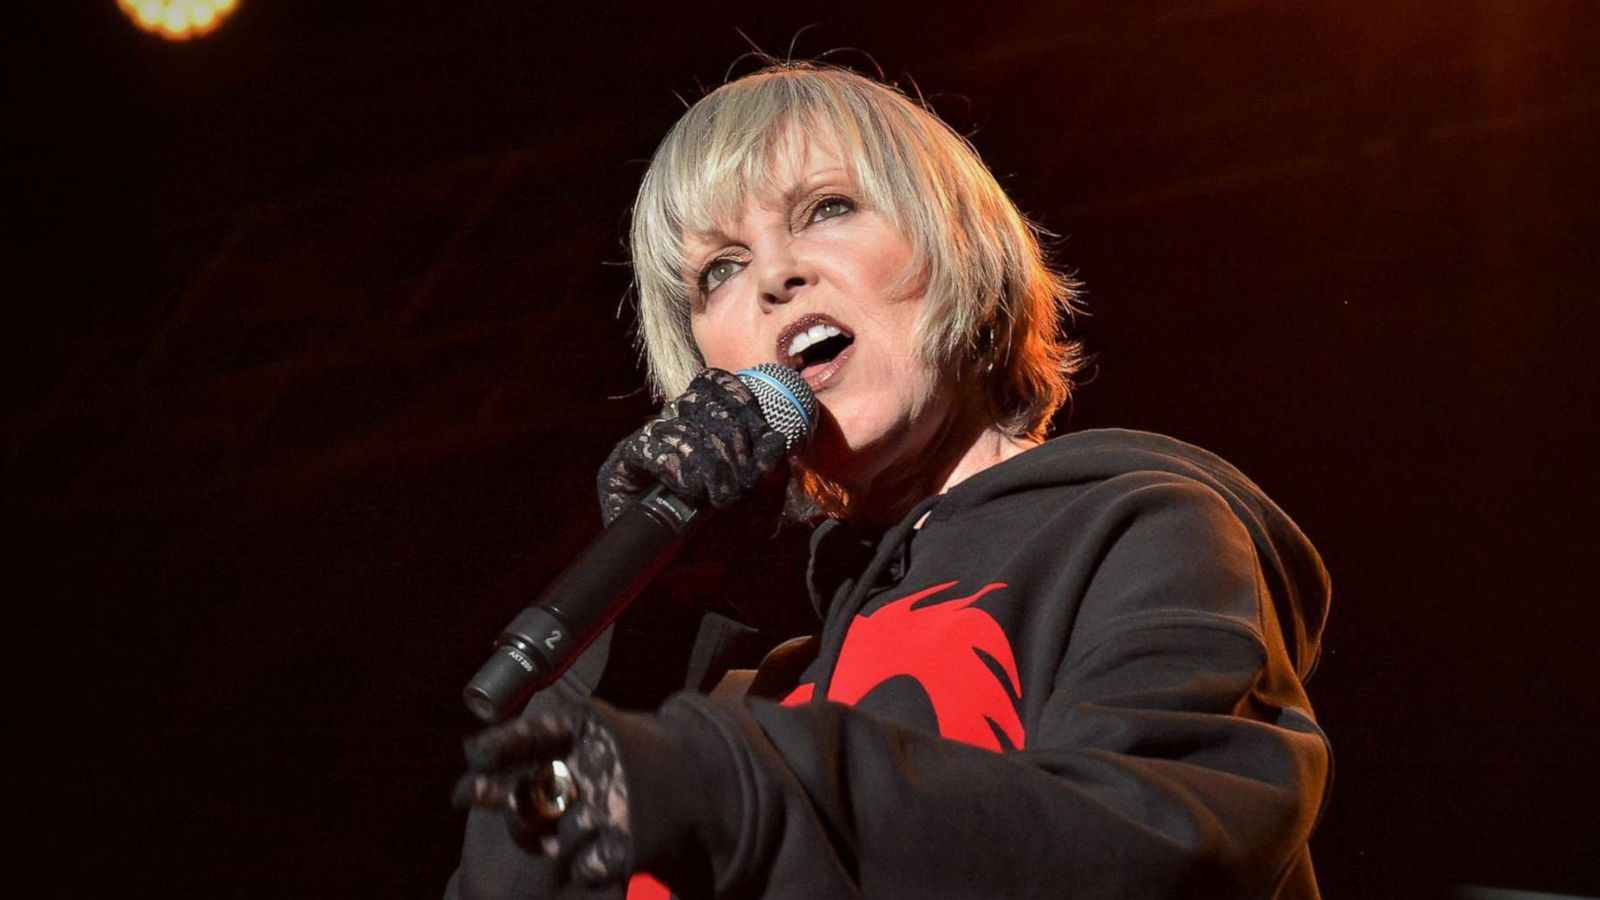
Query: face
point(817, 280)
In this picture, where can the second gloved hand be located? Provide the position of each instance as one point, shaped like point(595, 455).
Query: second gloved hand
point(637, 791)
point(588, 831)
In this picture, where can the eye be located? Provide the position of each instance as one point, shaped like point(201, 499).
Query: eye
point(830, 208)
point(716, 272)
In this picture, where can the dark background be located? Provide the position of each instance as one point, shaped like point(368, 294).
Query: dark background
point(316, 333)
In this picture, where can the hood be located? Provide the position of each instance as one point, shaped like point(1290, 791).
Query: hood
point(1293, 571)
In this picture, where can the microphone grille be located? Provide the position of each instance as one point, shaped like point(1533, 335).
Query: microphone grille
point(785, 399)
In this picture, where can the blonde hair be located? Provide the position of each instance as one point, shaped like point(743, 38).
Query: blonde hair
point(993, 303)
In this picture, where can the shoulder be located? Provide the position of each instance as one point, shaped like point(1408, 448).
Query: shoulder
point(1107, 452)
point(1137, 522)
point(1124, 503)
point(1144, 526)
point(1118, 469)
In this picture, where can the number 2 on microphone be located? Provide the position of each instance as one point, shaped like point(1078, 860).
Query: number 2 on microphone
point(554, 638)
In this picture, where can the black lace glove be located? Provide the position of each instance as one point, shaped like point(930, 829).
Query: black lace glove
point(558, 780)
point(709, 446)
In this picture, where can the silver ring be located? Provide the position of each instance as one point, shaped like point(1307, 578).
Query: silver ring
point(545, 795)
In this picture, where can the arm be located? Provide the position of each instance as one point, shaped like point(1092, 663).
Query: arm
point(1174, 755)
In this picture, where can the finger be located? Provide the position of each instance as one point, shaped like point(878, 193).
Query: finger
point(621, 469)
point(546, 793)
point(658, 459)
point(543, 737)
point(535, 836)
point(727, 384)
point(481, 790)
point(711, 390)
point(771, 449)
point(602, 862)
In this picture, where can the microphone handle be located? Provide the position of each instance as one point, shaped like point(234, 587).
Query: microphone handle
point(545, 639)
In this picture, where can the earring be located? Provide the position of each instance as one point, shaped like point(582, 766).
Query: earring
point(986, 348)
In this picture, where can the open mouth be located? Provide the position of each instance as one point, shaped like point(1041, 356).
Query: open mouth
point(812, 344)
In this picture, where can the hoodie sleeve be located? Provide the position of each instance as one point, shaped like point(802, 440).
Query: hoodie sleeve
point(1174, 754)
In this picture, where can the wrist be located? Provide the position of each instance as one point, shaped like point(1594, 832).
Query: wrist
point(682, 795)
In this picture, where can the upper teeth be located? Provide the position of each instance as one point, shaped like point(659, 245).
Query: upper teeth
point(812, 335)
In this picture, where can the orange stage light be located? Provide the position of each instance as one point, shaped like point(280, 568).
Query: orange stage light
point(178, 20)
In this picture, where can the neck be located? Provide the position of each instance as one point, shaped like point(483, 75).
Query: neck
point(963, 447)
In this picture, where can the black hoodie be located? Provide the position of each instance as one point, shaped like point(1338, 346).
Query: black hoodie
point(1077, 673)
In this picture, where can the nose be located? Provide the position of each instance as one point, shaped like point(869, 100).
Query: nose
point(781, 275)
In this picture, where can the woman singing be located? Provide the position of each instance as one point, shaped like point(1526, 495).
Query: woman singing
point(1063, 668)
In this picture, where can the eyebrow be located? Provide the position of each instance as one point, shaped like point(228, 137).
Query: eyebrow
point(795, 191)
point(810, 183)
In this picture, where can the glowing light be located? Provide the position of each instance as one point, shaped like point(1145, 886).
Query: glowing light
point(178, 20)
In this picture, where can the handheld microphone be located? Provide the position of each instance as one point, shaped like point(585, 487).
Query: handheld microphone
point(545, 639)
